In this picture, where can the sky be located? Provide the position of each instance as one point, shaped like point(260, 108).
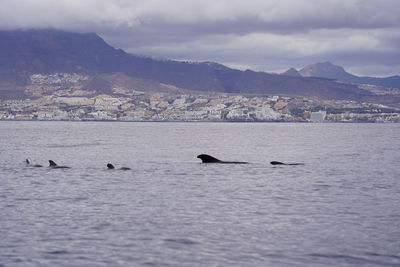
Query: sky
point(363, 36)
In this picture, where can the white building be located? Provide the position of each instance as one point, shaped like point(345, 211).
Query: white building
point(267, 113)
point(136, 115)
point(72, 100)
point(238, 113)
point(318, 116)
point(107, 103)
point(52, 115)
point(179, 102)
point(194, 115)
point(101, 115)
point(215, 112)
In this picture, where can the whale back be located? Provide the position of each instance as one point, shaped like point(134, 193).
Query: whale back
point(208, 159)
point(28, 164)
point(277, 163)
point(110, 166)
point(282, 163)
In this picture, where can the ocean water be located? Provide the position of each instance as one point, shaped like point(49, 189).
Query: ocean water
point(342, 208)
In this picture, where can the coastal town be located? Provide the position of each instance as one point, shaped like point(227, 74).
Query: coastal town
point(60, 97)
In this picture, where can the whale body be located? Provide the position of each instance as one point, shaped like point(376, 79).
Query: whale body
point(111, 167)
point(53, 165)
point(210, 159)
point(282, 163)
point(28, 164)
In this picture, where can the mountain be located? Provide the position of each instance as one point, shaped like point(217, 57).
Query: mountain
point(23, 53)
point(49, 51)
point(291, 72)
point(331, 71)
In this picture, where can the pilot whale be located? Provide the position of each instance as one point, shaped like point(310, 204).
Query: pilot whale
point(282, 163)
point(28, 164)
point(210, 159)
point(111, 167)
point(53, 165)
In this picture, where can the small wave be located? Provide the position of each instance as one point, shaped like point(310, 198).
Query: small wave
point(183, 241)
point(382, 186)
point(23, 199)
point(101, 226)
point(66, 199)
point(320, 187)
point(37, 183)
point(382, 255)
point(279, 198)
point(355, 259)
point(77, 199)
point(260, 213)
point(57, 252)
point(346, 258)
point(73, 145)
point(334, 256)
point(352, 154)
point(156, 263)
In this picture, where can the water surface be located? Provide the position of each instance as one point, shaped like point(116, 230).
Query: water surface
point(341, 208)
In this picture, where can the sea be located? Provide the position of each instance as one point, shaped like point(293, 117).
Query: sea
point(341, 208)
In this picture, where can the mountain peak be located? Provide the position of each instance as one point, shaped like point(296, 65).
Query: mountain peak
point(291, 72)
point(325, 70)
point(331, 71)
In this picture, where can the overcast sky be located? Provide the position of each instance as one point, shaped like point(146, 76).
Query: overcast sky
point(267, 35)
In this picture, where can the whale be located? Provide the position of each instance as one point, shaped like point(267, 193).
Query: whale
point(210, 159)
point(28, 164)
point(53, 165)
point(282, 163)
point(111, 167)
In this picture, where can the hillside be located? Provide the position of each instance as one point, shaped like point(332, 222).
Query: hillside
point(24, 53)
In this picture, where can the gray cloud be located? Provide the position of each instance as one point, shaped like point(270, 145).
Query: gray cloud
point(269, 35)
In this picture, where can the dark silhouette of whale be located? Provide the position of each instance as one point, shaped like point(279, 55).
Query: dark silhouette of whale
point(111, 167)
point(53, 165)
point(210, 159)
point(28, 164)
point(282, 163)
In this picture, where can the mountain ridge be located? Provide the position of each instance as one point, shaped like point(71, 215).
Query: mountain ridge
point(332, 71)
point(23, 53)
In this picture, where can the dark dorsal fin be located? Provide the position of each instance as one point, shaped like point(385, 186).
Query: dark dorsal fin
point(207, 158)
point(52, 163)
point(27, 161)
point(110, 166)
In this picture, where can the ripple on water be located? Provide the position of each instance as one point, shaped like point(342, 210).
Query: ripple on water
point(183, 241)
point(56, 252)
point(356, 259)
